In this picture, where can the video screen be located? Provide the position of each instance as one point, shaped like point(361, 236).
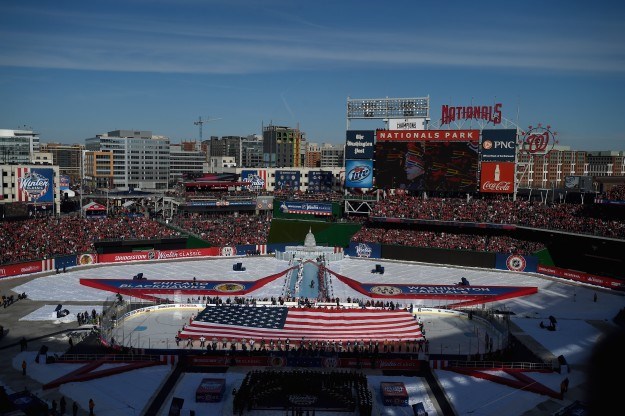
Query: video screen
point(426, 166)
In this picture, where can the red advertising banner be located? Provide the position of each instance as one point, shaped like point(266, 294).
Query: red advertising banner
point(427, 135)
point(497, 177)
point(21, 268)
point(582, 277)
point(158, 255)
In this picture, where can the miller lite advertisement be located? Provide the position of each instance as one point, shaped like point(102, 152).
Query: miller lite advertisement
point(497, 177)
point(359, 173)
point(35, 185)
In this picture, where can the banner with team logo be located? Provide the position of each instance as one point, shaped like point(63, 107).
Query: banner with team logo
point(359, 173)
point(35, 185)
point(320, 181)
point(498, 145)
point(364, 250)
point(257, 179)
point(288, 179)
point(64, 182)
point(516, 263)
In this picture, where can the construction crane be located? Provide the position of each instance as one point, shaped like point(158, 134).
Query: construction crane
point(200, 122)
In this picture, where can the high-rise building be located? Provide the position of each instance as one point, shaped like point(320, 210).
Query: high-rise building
point(17, 146)
point(282, 146)
point(67, 157)
point(606, 163)
point(140, 159)
point(312, 158)
point(252, 152)
point(331, 155)
point(98, 170)
point(185, 158)
point(551, 170)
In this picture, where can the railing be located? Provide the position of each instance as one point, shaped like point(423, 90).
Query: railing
point(106, 357)
point(515, 365)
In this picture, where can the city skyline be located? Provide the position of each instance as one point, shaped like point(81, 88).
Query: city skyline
point(72, 70)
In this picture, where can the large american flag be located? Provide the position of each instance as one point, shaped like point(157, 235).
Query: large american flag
point(274, 322)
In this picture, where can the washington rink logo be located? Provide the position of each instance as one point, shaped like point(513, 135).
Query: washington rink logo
point(386, 290)
point(363, 250)
point(516, 263)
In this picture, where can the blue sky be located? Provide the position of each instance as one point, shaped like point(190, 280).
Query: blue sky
point(73, 69)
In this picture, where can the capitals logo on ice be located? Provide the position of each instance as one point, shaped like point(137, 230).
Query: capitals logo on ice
point(34, 184)
point(363, 250)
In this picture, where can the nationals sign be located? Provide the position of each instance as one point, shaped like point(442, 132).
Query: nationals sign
point(427, 135)
point(539, 140)
point(497, 177)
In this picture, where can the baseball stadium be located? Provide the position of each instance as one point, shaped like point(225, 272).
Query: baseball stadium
point(421, 279)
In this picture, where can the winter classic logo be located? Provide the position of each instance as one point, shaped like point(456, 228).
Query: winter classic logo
point(516, 263)
point(35, 185)
point(363, 250)
point(255, 180)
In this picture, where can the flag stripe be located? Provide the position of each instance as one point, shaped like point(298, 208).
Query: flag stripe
point(312, 324)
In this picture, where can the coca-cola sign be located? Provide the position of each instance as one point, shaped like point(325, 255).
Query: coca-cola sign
point(497, 177)
point(502, 186)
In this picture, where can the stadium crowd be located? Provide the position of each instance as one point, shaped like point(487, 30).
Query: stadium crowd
point(45, 237)
point(416, 238)
point(616, 193)
point(227, 230)
point(576, 218)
